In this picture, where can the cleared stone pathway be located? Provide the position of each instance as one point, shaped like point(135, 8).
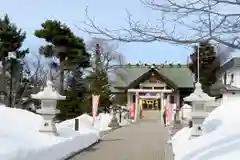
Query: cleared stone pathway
point(145, 140)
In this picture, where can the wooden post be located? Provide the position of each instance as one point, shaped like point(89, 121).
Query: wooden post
point(136, 106)
point(76, 125)
point(129, 99)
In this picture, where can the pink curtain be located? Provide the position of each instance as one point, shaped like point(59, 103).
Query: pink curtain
point(95, 101)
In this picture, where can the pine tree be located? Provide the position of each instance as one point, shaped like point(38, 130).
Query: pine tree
point(75, 104)
point(64, 45)
point(100, 86)
point(208, 66)
point(76, 82)
point(71, 52)
point(11, 39)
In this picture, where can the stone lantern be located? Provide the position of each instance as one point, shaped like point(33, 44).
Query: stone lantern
point(114, 121)
point(48, 110)
point(198, 98)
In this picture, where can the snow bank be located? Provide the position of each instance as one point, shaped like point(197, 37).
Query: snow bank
point(221, 138)
point(102, 122)
point(20, 139)
point(60, 150)
point(224, 115)
point(21, 119)
point(180, 138)
point(86, 123)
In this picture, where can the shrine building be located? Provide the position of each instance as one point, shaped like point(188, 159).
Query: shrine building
point(146, 86)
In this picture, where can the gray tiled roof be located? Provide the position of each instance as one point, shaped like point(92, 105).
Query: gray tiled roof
point(180, 75)
point(233, 62)
point(219, 88)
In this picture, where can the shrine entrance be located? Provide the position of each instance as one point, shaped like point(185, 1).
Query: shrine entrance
point(149, 92)
point(147, 100)
point(150, 102)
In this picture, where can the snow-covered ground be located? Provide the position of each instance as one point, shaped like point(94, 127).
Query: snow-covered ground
point(221, 138)
point(20, 139)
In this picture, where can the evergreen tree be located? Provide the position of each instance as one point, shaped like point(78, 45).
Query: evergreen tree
point(73, 106)
point(64, 45)
point(99, 81)
point(76, 82)
point(71, 52)
point(100, 86)
point(208, 66)
point(11, 39)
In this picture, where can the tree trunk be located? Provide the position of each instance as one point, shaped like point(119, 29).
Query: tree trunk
point(61, 87)
point(5, 98)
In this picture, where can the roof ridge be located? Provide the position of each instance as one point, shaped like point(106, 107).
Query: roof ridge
point(156, 65)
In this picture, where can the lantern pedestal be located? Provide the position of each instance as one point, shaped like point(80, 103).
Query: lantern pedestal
point(48, 125)
point(197, 119)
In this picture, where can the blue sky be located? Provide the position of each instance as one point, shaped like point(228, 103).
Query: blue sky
point(29, 14)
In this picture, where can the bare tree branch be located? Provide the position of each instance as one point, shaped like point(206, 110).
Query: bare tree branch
point(224, 53)
point(22, 79)
point(179, 22)
point(110, 56)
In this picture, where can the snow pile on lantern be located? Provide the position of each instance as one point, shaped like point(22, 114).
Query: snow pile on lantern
point(185, 112)
point(220, 139)
point(21, 140)
point(48, 93)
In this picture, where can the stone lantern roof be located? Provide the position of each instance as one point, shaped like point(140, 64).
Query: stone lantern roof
point(198, 95)
point(48, 93)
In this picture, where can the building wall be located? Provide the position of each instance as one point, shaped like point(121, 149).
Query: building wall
point(121, 96)
point(231, 77)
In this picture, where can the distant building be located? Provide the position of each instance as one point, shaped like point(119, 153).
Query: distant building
point(146, 86)
point(229, 72)
point(228, 77)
